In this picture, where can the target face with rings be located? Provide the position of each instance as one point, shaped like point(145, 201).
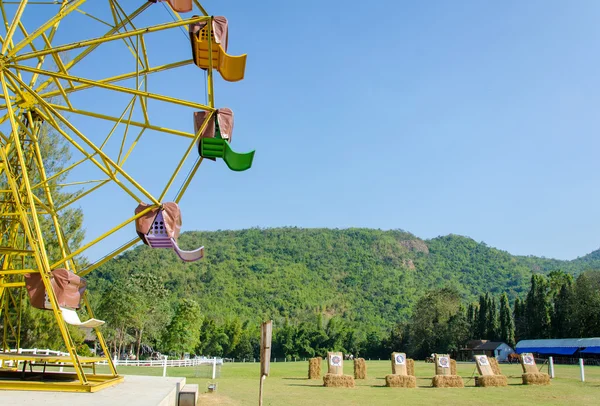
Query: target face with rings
point(336, 360)
point(400, 359)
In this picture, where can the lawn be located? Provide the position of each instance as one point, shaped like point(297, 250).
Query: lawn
point(288, 385)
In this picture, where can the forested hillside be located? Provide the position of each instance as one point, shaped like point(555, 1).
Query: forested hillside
point(367, 276)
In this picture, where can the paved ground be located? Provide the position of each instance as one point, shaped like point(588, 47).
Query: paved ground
point(134, 391)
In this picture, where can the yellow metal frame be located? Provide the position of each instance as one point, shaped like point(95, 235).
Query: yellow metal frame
point(34, 97)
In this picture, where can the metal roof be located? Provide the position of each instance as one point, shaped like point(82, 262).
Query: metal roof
point(489, 346)
point(565, 346)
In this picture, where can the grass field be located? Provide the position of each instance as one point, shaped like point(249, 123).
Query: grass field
point(288, 385)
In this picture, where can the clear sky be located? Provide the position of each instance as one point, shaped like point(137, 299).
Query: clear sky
point(477, 118)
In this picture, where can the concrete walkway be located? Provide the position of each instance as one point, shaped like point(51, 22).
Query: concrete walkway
point(134, 391)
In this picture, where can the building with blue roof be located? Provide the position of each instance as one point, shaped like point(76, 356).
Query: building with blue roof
point(562, 347)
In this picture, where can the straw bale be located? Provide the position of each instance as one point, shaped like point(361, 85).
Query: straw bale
point(410, 367)
point(360, 368)
point(447, 381)
point(338, 381)
point(491, 380)
point(536, 379)
point(452, 367)
point(495, 366)
point(400, 381)
point(314, 368)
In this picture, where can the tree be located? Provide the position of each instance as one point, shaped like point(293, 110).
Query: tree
point(564, 322)
point(428, 323)
point(482, 317)
point(507, 327)
point(491, 327)
point(538, 308)
point(587, 304)
point(182, 334)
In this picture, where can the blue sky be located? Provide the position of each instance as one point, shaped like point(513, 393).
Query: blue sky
point(476, 118)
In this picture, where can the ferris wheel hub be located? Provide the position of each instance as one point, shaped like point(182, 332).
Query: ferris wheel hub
point(26, 101)
point(3, 62)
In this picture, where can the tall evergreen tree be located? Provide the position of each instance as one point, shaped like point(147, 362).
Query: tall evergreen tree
point(563, 316)
point(492, 318)
point(538, 308)
point(519, 319)
point(482, 318)
point(507, 327)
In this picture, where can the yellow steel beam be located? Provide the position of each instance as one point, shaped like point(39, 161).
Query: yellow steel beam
point(82, 195)
point(122, 89)
point(52, 111)
point(117, 122)
point(108, 257)
point(106, 234)
point(125, 76)
point(34, 235)
point(197, 3)
point(188, 180)
point(87, 51)
point(89, 156)
point(42, 173)
point(65, 170)
point(74, 4)
point(115, 119)
point(12, 284)
point(187, 152)
point(13, 26)
point(50, 38)
point(209, 71)
point(103, 40)
point(17, 271)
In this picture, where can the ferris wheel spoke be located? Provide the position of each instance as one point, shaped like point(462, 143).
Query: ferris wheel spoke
point(105, 235)
point(121, 89)
point(112, 37)
point(125, 76)
point(82, 195)
point(116, 11)
point(73, 5)
point(91, 48)
point(138, 124)
point(49, 115)
point(13, 26)
point(47, 39)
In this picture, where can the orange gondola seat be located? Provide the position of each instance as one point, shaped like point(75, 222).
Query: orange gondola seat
point(231, 68)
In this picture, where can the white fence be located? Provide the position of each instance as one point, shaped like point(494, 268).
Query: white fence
point(134, 363)
point(166, 362)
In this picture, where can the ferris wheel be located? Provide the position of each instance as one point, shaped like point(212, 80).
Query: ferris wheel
point(126, 91)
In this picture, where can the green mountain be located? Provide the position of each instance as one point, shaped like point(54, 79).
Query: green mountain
point(368, 276)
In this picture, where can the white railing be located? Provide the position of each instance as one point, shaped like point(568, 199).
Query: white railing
point(36, 351)
point(168, 362)
point(125, 362)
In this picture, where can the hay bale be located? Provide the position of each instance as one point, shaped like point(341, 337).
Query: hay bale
point(539, 378)
point(338, 381)
point(410, 367)
point(447, 381)
point(491, 380)
point(452, 367)
point(400, 381)
point(360, 368)
point(314, 368)
point(495, 366)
